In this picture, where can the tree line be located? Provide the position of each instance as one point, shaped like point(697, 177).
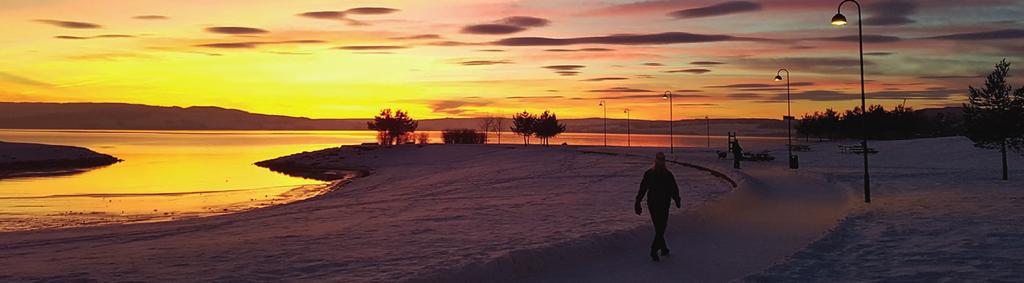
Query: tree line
point(901, 122)
point(993, 118)
point(397, 127)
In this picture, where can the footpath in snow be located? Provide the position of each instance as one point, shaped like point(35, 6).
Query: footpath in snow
point(774, 213)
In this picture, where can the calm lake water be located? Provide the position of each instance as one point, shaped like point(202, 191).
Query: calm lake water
point(170, 175)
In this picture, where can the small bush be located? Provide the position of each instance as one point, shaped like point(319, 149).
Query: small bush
point(463, 136)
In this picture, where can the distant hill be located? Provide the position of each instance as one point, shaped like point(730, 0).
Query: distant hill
point(954, 113)
point(122, 116)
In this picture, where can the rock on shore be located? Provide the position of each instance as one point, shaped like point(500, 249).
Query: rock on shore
point(27, 159)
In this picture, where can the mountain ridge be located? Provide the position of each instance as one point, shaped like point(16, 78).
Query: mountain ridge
point(126, 116)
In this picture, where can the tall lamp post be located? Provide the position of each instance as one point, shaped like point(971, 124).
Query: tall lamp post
point(709, 129)
point(605, 105)
point(793, 162)
point(671, 136)
point(628, 143)
point(840, 20)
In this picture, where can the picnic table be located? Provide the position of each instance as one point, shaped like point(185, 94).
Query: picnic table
point(801, 148)
point(763, 156)
point(858, 149)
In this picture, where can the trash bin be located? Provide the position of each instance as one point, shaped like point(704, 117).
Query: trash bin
point(794, 162)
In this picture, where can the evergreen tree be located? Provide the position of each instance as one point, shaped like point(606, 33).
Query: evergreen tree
point(524, 124)
point(548, 127)
point(393, 127)
point(830, 123)
point(994, 115)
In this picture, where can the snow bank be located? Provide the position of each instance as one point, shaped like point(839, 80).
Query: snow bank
point(940, 213)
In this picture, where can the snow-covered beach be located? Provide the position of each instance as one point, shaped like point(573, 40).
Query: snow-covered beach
point(556, 214)
point(422, 212)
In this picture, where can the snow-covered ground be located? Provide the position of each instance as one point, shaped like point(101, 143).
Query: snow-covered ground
point(564, 214)
point(424, 212)
point(940, 213)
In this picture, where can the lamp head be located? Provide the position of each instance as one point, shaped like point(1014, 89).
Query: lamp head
point(839, 20)
point(665, 96)
point(778, 78)
point(601, 103)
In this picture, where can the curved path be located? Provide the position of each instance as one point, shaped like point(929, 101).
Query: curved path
point(775, 213)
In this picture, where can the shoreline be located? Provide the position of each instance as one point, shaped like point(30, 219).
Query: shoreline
point(74, 220)
point(509, 135)
point(334, 179)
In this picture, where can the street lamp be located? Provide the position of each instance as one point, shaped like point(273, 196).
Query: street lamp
point(709, 129)
point(671, 141)
point(840, 20)
point(628, 143)
point(793, 162)
point(605, 105)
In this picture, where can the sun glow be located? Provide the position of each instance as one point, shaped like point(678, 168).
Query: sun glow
point(444, 59)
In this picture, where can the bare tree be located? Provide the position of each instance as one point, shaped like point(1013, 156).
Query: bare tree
point(487, 124)
point(423, 138)
point(498, 122)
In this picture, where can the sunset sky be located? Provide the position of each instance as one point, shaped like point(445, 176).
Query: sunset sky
point(446, 58)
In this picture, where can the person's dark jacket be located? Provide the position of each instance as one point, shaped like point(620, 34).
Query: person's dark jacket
point(659, 185)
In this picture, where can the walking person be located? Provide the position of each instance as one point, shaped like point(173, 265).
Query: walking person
point(737, 153)
point(660, 188)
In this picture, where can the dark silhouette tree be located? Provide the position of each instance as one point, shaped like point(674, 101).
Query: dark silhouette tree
point(393, 126)
point(809, 125)
point(899, 123)
point(903, 120)
point(830, 123)
point(524, 124)
point(820, 124)
point(547, 127)
point(994, 115)
point(423, 138)
point(463, 136)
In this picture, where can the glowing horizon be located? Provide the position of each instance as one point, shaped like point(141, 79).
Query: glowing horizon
point(330, 59)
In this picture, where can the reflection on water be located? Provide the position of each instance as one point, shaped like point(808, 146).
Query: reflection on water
point(176, 174)
point(164, 175)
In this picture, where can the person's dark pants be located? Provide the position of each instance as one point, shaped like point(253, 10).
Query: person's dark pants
point(659, 216)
